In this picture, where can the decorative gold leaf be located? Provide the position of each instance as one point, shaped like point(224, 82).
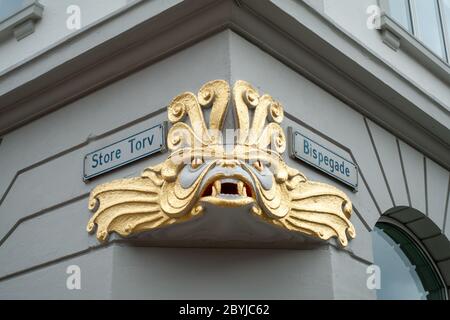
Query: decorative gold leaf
point(127, 206)
point(286, 198)
point(319, 210)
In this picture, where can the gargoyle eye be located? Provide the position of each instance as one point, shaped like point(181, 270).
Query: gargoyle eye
point(196, 162)
point(258, 165)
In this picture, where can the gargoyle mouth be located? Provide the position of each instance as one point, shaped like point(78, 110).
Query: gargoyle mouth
point(228, 192)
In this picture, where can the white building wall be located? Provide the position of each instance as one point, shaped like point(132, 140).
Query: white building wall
point(43, 199)
point(52, 28)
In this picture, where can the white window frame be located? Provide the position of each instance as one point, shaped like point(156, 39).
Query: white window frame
point(414, 22)
point(445, 30)
point(396, 36)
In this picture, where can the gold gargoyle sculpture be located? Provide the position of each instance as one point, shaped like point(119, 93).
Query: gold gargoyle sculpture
point(201, 169)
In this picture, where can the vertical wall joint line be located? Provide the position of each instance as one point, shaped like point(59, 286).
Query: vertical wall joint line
point(426, 184)
point(379, 162)
point(446, 206)
point(404, 172)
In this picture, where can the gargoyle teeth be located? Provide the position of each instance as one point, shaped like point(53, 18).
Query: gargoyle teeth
point(241, 189)
point(227, 187)
point(216, 188)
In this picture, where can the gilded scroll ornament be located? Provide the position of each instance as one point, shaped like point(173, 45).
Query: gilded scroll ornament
point(201, 169)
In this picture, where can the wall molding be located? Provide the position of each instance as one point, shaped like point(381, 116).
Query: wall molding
point(314, 47)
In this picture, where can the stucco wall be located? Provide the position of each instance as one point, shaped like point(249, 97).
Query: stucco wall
point(52, 28)
point(43, 206)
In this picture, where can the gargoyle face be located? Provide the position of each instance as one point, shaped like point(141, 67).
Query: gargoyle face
point(237, 178)
point(228, 182)
point(202, 169)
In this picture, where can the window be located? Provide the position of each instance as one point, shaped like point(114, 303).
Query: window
point(427, 20)
point(399, 11)
point(428, 25)
point(445, 7)
point(10, 7)
point(406, 271)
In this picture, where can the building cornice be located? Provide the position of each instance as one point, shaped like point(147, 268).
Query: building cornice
point(304, 40)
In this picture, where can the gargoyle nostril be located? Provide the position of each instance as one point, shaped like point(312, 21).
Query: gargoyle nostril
point(196, 162)
point(258, 165)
